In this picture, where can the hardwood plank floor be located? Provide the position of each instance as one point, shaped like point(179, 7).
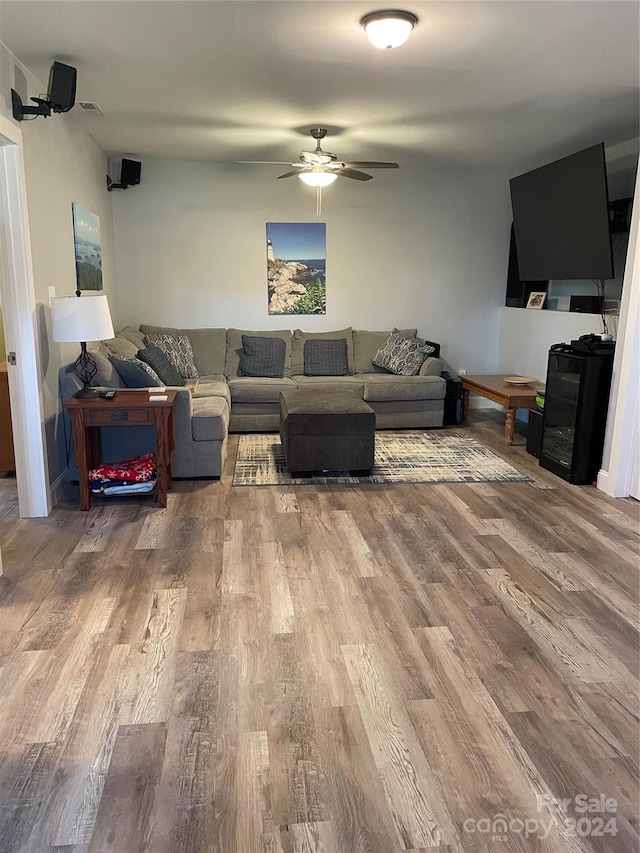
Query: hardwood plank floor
point(323, 669)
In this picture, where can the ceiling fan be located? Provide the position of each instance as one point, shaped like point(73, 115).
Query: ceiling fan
point(320, 168)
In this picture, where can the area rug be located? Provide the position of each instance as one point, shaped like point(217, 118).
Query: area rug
point(401, 457)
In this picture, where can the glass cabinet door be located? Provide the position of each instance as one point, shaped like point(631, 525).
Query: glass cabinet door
point(560, 408)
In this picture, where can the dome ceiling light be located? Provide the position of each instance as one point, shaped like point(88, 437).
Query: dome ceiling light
point(389, 28)
point(317, 177)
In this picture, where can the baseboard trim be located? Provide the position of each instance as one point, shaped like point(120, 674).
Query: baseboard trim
point(602, 480)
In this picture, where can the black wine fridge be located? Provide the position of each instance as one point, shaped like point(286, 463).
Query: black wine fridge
point(575, 409)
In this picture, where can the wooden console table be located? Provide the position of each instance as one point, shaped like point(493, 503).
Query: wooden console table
point(128, 408)
point(512, 397)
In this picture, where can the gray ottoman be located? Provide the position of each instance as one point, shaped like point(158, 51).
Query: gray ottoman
point(326, 430)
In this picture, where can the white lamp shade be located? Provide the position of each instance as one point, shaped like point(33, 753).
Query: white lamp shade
point(80, 318)
point(317, 179)
point(388, 29)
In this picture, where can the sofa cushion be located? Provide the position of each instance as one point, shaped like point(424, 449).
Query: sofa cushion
point(212, 386)
point(379, 387)
point(135, 373)
point(366, 344)
point(298, 342)
point(159, 361)
point(326, 383)
point(326, 357)
point(258, 389)
point(209, 346)
point(157, 330)
point(209, 349)
point(134, 335)
point(402, 355)
point(262, 357)
point(107, 375)
point(121, 346)
point(234, 348)
point(178, 350)
point(209, 419)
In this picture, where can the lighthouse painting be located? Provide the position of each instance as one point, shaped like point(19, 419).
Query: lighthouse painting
point(296, 267)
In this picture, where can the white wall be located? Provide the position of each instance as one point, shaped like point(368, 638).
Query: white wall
point(409, 248)
point(62, 164)
point(526, 335)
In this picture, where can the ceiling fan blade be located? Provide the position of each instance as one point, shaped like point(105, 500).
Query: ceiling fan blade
point(264, 162)
point(292, 173)
point(352, 173)
point(372, 164)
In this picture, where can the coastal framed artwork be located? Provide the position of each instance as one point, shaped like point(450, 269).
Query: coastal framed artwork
point(88, 248)
point(296, 267)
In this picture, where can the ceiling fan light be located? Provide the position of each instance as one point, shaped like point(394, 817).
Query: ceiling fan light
point(317, 179)
point(388, 29)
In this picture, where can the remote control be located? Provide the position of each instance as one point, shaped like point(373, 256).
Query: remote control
point(107, 395)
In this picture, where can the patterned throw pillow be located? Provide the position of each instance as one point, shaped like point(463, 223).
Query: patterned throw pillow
point(135, 373)
point(178, 350)
point(159, 361)
point(326, 357)
point(402, 355)
point(262, 357)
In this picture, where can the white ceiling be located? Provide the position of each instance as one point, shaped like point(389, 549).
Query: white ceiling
point(480, 84)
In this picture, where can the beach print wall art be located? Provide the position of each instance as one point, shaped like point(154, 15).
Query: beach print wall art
point(86, 239)
point(296, 265)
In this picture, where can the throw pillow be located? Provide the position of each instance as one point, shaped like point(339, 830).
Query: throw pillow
point(326, 357)
point(178, 350)
point(402, 355)
point(135, 373)
point(262, 357)
point(159, 361)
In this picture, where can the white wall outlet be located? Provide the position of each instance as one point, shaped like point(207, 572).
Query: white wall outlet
point(52, 293)
point(462, 371)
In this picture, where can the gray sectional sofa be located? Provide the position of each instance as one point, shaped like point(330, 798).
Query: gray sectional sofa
point(225, 402)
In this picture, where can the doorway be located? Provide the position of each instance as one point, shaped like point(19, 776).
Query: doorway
point(18, 306)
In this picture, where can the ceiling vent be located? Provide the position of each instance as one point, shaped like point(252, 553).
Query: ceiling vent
point(90, 107)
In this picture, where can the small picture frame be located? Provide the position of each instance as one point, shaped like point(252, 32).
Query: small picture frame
point(536, 299)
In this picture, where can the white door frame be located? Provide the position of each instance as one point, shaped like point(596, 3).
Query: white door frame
point(623, 434)
point(19, 312)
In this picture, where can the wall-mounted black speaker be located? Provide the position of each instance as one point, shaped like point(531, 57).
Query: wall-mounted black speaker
point(517, 290)
point(130, 173)
point(61, 92)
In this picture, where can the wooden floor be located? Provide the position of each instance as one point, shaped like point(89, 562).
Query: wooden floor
point(332, 669)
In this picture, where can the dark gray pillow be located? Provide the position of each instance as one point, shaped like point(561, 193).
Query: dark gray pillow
point(326, 357)
point(159, 361)
point(262, 357)
point(135, 373)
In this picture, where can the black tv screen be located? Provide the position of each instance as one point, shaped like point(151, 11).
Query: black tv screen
point(561, 219)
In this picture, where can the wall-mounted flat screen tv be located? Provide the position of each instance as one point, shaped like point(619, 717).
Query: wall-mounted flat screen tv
point(561, 219)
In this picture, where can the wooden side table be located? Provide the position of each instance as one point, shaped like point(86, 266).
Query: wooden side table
point(512, 397)
point(129, 407)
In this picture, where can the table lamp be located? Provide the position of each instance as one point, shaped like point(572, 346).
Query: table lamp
point(78, 319)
